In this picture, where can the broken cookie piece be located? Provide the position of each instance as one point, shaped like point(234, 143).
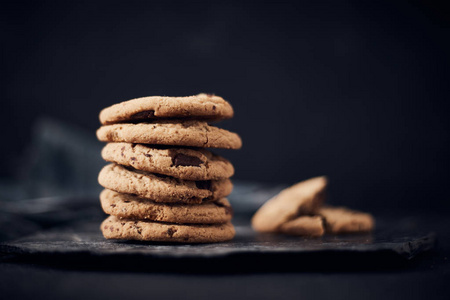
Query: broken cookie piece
point(298, 210)
point(303, 198)
point(305, 226)
point(344, 220)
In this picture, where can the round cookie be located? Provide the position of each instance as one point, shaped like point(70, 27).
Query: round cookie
point(201, 106)
point(183, 163)
point(132, 207)
point(160, 188)
point(174, 133)
point(121, 229)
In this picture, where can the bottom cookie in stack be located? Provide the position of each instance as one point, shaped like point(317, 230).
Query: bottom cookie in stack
point(135, 218)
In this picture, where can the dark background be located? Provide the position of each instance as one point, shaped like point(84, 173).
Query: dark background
point(354, 90)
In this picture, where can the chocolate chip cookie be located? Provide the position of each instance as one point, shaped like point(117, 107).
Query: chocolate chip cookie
point(183, 163)
point(131, 207)
point(161, 188)
point(298, 210)
point(122, 229)
point(344, 220)
point(303, 198)
point(201, 106)
point(174, 133)
point(304, 225)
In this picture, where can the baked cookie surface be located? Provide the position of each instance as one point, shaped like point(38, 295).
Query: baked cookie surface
point(303, 198)
point(304, 226)
point(160, 188)
point(173, 133)
point(183, 163)
point(344, 220)
point(132, 207)
point(203, 106)
point(122, 229)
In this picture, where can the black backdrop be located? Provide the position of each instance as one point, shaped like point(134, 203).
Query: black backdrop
point(351, 89)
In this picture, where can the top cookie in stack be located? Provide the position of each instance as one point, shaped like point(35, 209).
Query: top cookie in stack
point(162, 185)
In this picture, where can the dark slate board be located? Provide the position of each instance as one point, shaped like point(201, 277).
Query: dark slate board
point(82, 243)
point(66, 232)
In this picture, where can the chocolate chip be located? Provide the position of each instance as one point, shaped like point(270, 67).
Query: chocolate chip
point(203, 184)
point(113, 205)
point(186, 160)
point(171, 231)
point(133, 158)
point(138, 228)
point(228, 210)
point(147, 155)
point(146, 114)
point(214, 107)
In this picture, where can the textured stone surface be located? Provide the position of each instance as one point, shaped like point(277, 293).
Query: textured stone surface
point(400, 242)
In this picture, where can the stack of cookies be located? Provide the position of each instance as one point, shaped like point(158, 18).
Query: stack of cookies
point(162, 184)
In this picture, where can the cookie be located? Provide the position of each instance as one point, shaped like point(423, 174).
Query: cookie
point(304, 225)
point(160, 188)
point(344, 220)
point(201, 106)
point(303, 198)
point(132, 207)
point(122, 229)
point(174, 133)
point(183, 163)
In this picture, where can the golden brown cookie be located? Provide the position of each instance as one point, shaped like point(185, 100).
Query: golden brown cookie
point(201, 106)
point(160, 188)
point(303, 198)
point(183, 163)
point(173, 133)
point(122, 229)
point(132, 207)
point(304, 225)
point(344, 220)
